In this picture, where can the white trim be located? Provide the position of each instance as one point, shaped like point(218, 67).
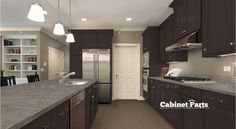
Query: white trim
point(20, 28)
point(138, 97)
point(141, 98)
point(126, 45)
point(116, 28)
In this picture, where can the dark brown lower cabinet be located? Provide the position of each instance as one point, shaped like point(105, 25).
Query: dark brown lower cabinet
point(217, 118)
point(63, 125)
point(151, 92)
point(58, 118)
point(43, 122)
point(192, 118)
point(174, 115)
point(220, 114)
point(78, 113)
point(91, 105)
point(88, 108)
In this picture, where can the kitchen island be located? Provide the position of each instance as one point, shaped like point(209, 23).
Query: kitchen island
point(22, 104)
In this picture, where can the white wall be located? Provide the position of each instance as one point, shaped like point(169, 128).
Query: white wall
point(47, 41)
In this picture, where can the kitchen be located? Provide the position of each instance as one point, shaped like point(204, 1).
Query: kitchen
point(171, 52)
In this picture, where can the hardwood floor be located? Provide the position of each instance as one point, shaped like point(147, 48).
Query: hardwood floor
point(129, 115)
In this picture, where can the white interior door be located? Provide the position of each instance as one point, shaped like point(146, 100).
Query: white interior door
point(55, 63)
point(126, 71)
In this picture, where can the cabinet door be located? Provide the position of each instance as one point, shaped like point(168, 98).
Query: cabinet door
point(146, 41)
point(87, 39)
point(233, 25)
point(175, 115)
point(162, 43)
point(151, 92)
point(104, 39)
point(169, 28)
point(94, 101)
point(194, 15)
point(192, 118)
point(40, 123)
point(88, 108)
point(216, 118)
point(63, 125)
point(60, 116)
point(180, 19)
point(217, 25)
point(76, 62)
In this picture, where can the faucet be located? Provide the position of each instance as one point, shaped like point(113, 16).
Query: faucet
point(66, 76)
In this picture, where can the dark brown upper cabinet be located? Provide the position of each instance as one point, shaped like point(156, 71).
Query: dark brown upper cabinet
point(187, 17)
point(166, 39)
point(218, 27)
point(146, 40)
point(92, 39)
point(104, 39)
point(151, 44)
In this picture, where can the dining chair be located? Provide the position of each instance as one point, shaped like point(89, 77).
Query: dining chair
point(33, 78)
point(8, 81)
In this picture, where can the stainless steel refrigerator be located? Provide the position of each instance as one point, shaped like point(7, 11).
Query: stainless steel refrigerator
point(96, 65)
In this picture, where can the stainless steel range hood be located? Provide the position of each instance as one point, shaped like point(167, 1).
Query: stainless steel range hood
point(190, 41)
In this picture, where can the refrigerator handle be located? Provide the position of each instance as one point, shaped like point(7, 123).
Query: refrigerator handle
point(94, 65)
point(98, 67)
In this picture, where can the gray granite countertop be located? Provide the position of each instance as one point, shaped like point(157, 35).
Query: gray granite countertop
point(215, 87)
point(21, 104)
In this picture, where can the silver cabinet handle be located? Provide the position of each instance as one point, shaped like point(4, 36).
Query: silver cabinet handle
point(44, 127)
point(232, 43)
point(204, 49)
point(184, 31)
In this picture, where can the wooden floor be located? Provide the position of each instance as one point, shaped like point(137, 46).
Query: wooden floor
point(129, 115)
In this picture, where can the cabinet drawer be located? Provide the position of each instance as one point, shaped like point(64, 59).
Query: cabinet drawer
point(173, 87)
point(60, 114)
point(43, 122)
point(192, 92)
point(220, 100)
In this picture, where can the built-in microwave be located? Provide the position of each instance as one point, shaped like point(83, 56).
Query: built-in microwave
point(146, 60)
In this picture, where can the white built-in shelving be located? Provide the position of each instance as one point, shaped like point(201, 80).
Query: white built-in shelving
point(19, 55)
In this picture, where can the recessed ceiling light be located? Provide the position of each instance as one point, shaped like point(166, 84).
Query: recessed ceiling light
point(129, 19)
point(83, 19)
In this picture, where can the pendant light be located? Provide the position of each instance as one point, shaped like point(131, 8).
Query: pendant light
point(70, 37)
point(58, 28)
point(36, 13)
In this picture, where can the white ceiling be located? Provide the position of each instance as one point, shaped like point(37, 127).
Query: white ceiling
point(100, 13)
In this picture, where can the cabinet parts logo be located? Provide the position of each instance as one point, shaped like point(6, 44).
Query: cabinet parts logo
point(191, 104)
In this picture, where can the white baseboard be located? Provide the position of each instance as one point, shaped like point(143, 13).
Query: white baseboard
point(141, 98)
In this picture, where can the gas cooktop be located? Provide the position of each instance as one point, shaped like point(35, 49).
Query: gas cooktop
point(190, 79)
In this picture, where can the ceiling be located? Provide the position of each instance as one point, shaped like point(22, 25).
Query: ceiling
point(100, 13)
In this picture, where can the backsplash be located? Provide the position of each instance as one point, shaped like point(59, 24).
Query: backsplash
point(212, 67)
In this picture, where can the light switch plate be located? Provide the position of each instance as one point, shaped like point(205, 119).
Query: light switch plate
point(44, 64)
point(227, 68)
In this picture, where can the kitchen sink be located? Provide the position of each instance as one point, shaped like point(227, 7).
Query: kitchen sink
point(76, 83)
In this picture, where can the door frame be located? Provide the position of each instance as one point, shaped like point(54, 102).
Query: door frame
point(53, 49)
point(114, 96)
